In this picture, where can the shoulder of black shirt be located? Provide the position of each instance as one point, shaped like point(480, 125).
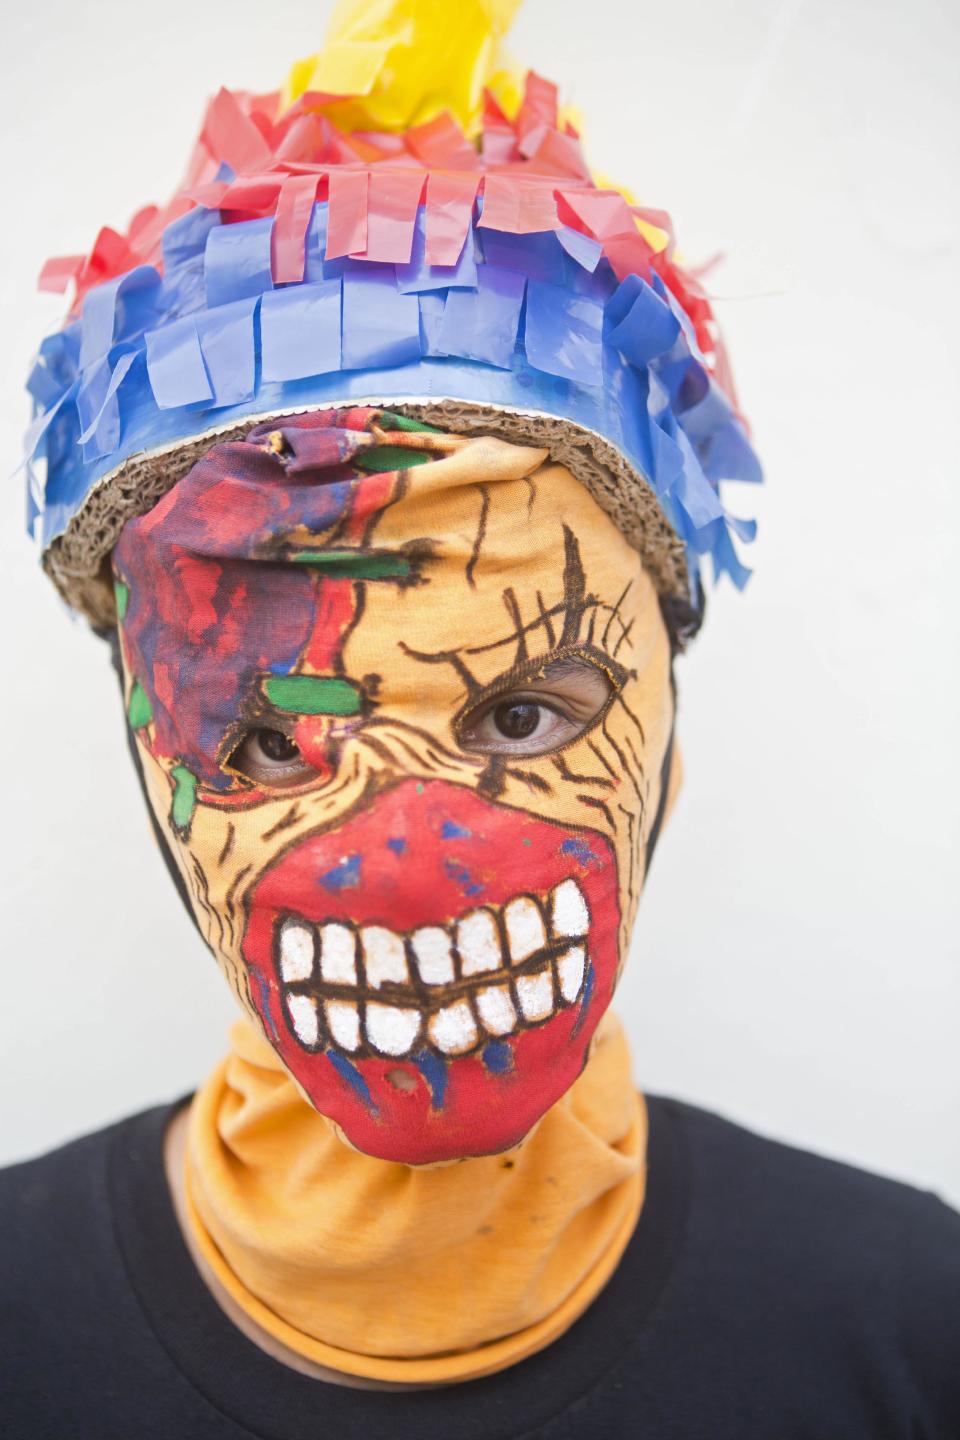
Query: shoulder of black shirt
point(767, 1294)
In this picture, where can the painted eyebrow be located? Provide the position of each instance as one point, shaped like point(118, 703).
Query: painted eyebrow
point(564, 667)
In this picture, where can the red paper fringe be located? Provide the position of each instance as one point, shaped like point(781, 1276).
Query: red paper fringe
point(530, 171)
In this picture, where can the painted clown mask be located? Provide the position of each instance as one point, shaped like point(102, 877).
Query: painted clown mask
point(403, 705)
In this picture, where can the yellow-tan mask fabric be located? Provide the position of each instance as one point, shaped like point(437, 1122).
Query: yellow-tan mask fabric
point(409, 1274)
point(432, 870)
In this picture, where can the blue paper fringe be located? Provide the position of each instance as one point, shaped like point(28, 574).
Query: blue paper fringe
point(537, 322)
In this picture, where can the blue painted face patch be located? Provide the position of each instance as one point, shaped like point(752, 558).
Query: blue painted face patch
point(349, 1072)
point(497, 1057)
point(434, 1071)
point(264, 1007)
point(345, 876)
point(588, 984)
point(459, 872)
point(580, 850)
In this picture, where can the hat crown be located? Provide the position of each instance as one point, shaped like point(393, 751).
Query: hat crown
point(390, 227)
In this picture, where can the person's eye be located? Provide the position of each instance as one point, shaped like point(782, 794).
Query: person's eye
point(534, 721)
point(517, 725)
point(269, 757)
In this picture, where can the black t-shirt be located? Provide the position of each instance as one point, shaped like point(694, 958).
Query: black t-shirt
point(767, 1294)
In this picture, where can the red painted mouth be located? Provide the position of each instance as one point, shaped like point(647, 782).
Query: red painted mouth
point(468, 944)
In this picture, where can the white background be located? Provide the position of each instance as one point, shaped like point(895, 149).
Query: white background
point(796, 964)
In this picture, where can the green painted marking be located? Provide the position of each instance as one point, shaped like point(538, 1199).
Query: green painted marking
point(526, 840)
point(313, 694)
point(184, 797)
point(354, 565)
point(389, 421)
point(419, 788)
point(121, 594)
point(390, 457)
point(139, 709)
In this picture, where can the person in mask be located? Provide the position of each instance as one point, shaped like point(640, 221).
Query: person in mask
point(387, 463)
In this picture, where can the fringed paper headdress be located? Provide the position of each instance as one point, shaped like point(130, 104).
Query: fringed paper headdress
point(405, 223)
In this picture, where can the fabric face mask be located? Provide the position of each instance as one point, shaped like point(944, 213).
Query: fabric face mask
point(403, 706)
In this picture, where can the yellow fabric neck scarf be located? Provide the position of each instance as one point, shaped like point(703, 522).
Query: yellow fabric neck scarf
point(422, 1275)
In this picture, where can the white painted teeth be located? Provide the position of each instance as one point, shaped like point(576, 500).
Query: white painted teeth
point(453, 1029)
point(535, 993)
point(338, 954)
point(391, 1030)
point(570, 913)
point(434, 954)
point(489, 973)
point(478, 943)
point(296, 951)
point(496, 1011)
point(526, 932)
point(570, 968)
point(303, 1013)
point(384, 957)
point(343, 1018)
